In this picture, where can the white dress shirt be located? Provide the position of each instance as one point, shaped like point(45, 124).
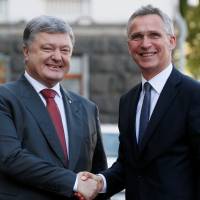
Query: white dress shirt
point(157, 83)
point(58, 99)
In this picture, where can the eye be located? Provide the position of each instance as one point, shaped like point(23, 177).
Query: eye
point(47, 48)
point(136, 37)
point(66, 50)
point(154, 35)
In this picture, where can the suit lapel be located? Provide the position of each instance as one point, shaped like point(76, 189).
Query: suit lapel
point(74, 125)
point(166, 98)
point(133, 107)
point(34, 104)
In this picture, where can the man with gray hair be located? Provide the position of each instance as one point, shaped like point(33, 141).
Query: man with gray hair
point(47, 135)
point(159, 120)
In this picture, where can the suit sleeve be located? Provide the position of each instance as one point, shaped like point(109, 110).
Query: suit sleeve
point(194, 132)
point(99, 162)
point(115, 175)
point(21, 165)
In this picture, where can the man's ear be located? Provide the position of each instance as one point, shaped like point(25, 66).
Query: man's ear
point(25, 52)
point(172, 42)
point(129, 46)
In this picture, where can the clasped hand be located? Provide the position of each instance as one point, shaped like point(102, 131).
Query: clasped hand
point(89, 185)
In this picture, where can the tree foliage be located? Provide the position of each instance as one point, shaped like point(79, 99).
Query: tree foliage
point(192, 17)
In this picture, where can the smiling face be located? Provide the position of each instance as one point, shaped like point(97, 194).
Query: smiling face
point(47, 57)
point(149, 44)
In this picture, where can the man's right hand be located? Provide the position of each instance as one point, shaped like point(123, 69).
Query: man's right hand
point(87, 175)
point(89, 185)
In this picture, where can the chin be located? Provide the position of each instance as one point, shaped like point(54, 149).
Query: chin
point(54, 79)
point(56, 75)
point(147, 65)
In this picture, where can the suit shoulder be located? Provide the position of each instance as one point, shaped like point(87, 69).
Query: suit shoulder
point(8, 88)
point(7, 85)
point(188, 87)
point(79, 98)
point(189, 83)
point(131, 92)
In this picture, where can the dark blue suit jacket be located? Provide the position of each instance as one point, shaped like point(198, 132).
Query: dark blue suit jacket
point(167, 164)
point(32, 165)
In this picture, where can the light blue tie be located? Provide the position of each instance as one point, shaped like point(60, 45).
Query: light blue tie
point(145, 111)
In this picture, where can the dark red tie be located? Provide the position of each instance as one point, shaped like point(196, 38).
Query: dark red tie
point(54, 112)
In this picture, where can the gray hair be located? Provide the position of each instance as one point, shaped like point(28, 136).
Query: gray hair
point(47, 24)
point(150, 10)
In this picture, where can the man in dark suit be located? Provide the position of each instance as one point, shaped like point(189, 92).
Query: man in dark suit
point(40, 156)
point(159, 159)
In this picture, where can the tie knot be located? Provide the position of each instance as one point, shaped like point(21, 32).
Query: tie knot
point(147, 87)
point(48, 93)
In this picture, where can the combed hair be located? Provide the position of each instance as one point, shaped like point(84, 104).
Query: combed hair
point(150, 10)
point(47, 24)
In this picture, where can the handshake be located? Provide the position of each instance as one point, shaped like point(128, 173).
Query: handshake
point(89, 185)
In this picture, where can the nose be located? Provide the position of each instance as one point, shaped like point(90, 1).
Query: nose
point(146, 42)
point(56, 55)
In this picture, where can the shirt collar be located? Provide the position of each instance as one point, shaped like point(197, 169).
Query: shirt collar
point(158, 81)
point(39, 86)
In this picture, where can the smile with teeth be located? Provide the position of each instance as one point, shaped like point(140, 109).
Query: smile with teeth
point(147, 54)
point(54, 66)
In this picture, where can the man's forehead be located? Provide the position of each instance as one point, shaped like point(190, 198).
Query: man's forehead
point(62, 39)
point(146, 32)
point(148, 24)
point(147, 20)
point(147, 16)
point(51, 36)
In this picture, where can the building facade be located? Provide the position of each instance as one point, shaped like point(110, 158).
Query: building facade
point(101, 68)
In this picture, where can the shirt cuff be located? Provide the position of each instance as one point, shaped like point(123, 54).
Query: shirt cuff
point(104, 184)
point(75, 188)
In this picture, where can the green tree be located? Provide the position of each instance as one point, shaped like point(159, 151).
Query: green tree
point(192, 17)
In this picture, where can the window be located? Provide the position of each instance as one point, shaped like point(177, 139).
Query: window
point(76, 79)
point(3, 10)
point(70, 10)
point(4, 69)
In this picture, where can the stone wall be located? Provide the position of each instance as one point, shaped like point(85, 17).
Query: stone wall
point(111, 69)
point(112, 72)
